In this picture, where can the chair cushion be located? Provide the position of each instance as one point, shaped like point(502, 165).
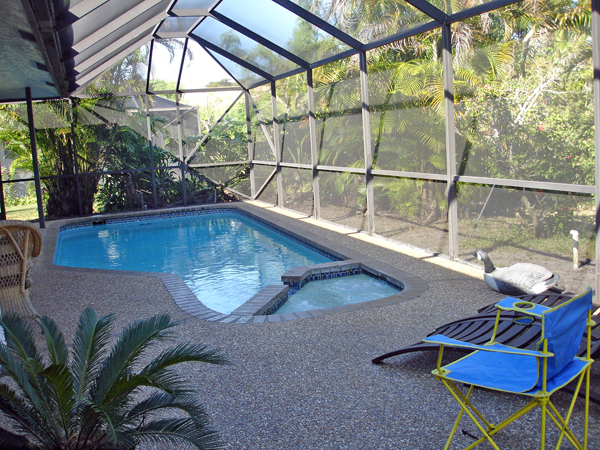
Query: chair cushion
point(503, 372)
point(563, 327)
point(569, 372)
point(509, 372)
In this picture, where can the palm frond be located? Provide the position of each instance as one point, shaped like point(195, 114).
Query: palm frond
point(12, 441)
point(131, 343)
point(158, 401)
point(89, 347)
point(93, 400)
point(24, 374)
point(15, 369)
point(19, 336)
point(177, 431)
point(185, 352)
point(25, 417)
point(58, 379)
point(91, 422)
point(162, 379)
point(41, 393)
point(55, 341)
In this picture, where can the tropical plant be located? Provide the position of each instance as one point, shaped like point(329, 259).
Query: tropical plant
point(95, 139)
point(96, 396)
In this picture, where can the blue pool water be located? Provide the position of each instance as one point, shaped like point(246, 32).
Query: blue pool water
point(225, 258)
point(336, 292)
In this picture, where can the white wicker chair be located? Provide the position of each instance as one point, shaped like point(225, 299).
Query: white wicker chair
point(20, 242)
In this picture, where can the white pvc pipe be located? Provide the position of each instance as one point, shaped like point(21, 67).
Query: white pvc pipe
point(575, 235)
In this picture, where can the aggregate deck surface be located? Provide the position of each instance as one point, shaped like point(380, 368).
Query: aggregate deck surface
point(309, 383)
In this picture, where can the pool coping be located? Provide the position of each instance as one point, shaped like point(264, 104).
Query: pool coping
point(413, 285)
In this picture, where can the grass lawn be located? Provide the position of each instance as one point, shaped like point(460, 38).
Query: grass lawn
point(22, 212)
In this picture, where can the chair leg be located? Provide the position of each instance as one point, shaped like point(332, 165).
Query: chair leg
point(457, 421)
point(465, 404)
point(548, 409)
point(499, 427)
point(467, 407)
point(563, 426)
point(543, 402)
point(587, 407)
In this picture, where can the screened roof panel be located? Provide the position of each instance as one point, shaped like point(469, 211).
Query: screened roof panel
point(244, 76)
point(72, 42)
point(261, 99)
point(125, 52)
point(52, 114)
point(200, 70)
point(243, 47)
point(193, 4)
point(367, 21)
point(112, 39)
point(128, 74)
point(95, 53)
point(166, 63)
point(177, 24)
point(455, 7)
point(108, 18)
point(283, 28)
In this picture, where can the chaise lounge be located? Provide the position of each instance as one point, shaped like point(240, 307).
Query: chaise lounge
point(515, 329)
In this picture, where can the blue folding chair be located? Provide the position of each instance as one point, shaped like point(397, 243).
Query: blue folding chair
point(534, 373)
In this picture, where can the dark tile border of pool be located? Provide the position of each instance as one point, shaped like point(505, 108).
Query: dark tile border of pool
point(413, 286)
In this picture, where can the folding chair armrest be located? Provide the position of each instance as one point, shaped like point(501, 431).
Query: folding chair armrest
point(522, 306)
point(440, 339)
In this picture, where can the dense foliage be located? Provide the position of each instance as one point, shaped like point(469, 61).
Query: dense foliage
point(522, 110)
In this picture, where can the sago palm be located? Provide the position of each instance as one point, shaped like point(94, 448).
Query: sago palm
point(99, 395)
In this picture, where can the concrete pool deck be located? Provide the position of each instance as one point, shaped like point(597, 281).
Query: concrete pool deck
point(310, 384)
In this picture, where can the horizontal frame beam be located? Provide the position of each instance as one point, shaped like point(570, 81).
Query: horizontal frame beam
point(413, 175)
point(171, 35)
point(219, 164)
point(527, 184)
point(296, 165)
point(178, 12)
point(479, 9)
point(355, 170)
point(499, 182)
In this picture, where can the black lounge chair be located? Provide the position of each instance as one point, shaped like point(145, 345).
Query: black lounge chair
point(515, 329)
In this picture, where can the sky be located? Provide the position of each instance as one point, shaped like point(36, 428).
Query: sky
point(198, 71)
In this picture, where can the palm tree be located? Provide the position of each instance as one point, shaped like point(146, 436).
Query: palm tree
point(96, 396)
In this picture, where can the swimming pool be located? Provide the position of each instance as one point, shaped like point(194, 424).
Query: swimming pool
point(261, 307)
point(224, 257)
